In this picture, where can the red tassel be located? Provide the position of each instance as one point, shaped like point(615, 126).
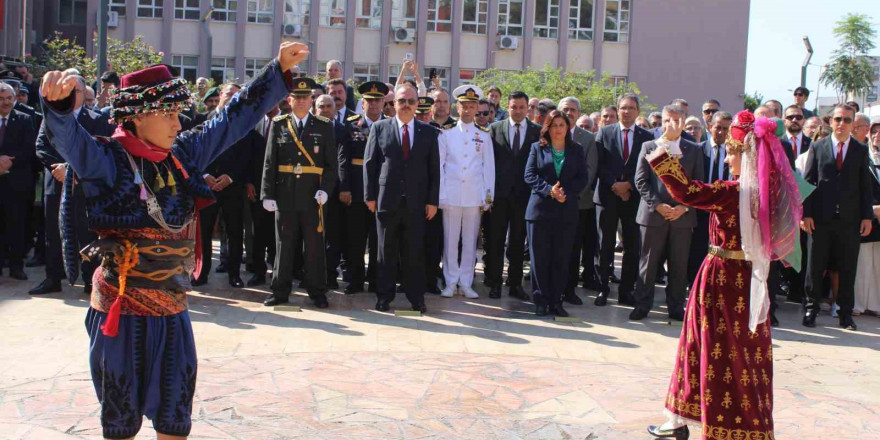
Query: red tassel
point(110, 327)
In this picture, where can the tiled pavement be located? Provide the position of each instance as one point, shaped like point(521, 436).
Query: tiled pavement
point(483, 369)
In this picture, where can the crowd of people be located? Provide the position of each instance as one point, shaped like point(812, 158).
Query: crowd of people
point(483, 187)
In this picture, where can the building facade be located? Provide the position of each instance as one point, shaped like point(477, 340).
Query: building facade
point(456, 39)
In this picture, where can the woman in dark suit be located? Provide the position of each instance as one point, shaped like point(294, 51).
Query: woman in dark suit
point(556, 172)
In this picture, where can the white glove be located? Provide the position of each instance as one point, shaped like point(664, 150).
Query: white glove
point(321, 197)
point(270, 205)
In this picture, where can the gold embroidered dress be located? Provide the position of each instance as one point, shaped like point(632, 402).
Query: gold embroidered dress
point(723, 376)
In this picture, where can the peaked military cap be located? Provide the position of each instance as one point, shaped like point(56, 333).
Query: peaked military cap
point(373, 90)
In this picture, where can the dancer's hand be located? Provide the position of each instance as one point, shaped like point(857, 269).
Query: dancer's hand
point(290, 54)
point(57, 85)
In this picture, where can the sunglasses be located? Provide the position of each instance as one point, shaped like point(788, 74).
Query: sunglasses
point(710, 111)
point(794, 117)
point(411, 101)
point(389, 103)
point(840, 119)
point(799, 94)
point(485, 113)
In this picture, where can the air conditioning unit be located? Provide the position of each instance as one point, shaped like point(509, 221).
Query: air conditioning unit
point(404, 35)
point(292, 30)
point(507, 42)
point(112, 19)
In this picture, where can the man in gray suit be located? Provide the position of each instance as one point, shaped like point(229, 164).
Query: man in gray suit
point(666, 226)
point(586, 234)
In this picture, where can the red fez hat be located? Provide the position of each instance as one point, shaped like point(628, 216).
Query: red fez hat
point(153, 89)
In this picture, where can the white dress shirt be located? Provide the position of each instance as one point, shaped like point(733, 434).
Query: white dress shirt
point(629, 136)
point(798, 140)
point(835, 142)
point(716, 161)
point(511, 132)
point(411, 125)
point(297, 120)
point(467, 166)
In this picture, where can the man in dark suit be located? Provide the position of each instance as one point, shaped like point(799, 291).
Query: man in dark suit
point(359, 222)
point(402, 183)
point(512, 139)
point(666, 225)
point(619, 146)
point(55, 169)
point(714, 152)
point(800, 144)
point(337, 88)
point(17, 136)
point(263, 245)
point(334, 234)
point(837, 213)
point(334, 71)
point(299, 173)
point(586, 234)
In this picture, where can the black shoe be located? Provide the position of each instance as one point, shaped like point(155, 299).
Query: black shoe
point(420, 308)
point(638, 314)
point(320, 301)
point(221, 268)
point(332, 283)
point(677, 316)
point(87, 289)
point(518, 293)
point(558, 310)
point(257, 280)
point(201, 281)
point(432, 289)
point(383, 305)
point(810, 318)
point(541, 310)
point(773, 321)
point(495, 292)
point(572, 298)
point(601, 299)
point(613, 278)
point(35, 261)
point(272, 300)
point(626, 299)
point(351, 289)
point(47, 286)
point(681, 433)
point(372, 288)
point(846, 321)
point(17, 274)
point(235, 281)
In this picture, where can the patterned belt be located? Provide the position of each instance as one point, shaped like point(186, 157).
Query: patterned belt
point(357, 162)
point(299, 169)
point(162, 264)
point(727, 254)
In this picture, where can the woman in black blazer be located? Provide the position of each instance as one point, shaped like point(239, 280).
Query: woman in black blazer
point(556, 172)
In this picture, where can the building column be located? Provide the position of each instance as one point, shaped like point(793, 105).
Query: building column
point(421, 33)
point(91, 28)
point(528, 33)
point(455, 62)
point(278, 23)
point(167, 24)
point(384, 40)
point(492, 34)
point(314, 17)
point(240, 26)
point(562, 38)
point(131, 16)
point(204, 60)
point(598, 36)
point(350, 27)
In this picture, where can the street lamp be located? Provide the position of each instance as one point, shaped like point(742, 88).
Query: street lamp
point(209, 40)
point(806, 61)
point(103, 9)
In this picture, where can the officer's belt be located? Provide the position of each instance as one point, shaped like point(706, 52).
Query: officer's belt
point(302, 170)
point(357, 161)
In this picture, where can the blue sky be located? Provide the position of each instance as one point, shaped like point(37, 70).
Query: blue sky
point(776, 49)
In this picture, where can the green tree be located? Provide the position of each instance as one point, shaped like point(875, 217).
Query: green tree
point(751, 102)
point(122, 56)
point(555, 84)
point(850, 72)
point(129, 56)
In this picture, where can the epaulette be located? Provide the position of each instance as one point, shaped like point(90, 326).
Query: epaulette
point(353, 118)
point(321, 118)
point(448, 126)
point(486, 129)
point(280, 117)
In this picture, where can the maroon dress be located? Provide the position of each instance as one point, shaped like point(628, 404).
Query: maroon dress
point(723, 375)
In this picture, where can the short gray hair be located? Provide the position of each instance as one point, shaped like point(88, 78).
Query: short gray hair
point(571, 99)
point(4, 87)
point(672, 108)
point(332, 62)
point(721, 115)
point(863, 117)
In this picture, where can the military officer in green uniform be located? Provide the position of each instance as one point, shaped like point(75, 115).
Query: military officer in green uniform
point(299, 171)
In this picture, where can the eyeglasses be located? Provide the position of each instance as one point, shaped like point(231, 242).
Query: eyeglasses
point(389, 103)
point(840, 119)
point(710, 111)
point(799, 94)
point(794, 117)
point(411, 101)
point(485, 113)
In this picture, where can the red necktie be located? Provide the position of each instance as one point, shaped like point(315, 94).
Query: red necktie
point(839, 156)
point(625, 145)
point(404, 140)
point(794, 146)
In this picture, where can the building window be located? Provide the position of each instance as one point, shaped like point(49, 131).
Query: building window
point(225, 10)
point(187, 10)
point(364, 73)
point(440, 15)
point(117, 6)
point(617, 20)
point(150, 8)
point(403, 13)
point(296, 12)
point(474, 16)
point(510, 17)
point(252, 67)
point(260, 11)
point(546, 18)
point(440, 72)
point(618, 81)
point(368, 14)
point(72, 12)
point(393, 72)
point(466, 76)
point(333, 13)
point(188, 66)
point(580, 20)
point(222, 70)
